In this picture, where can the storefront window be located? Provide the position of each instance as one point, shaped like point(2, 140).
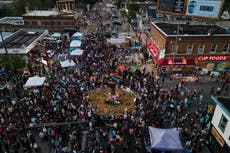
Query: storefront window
point(225, 48)
point(201, 49)
point(222, 124)
point(213, 48)
point(189, 49)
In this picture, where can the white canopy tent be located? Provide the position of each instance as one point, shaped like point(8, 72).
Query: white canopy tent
point(77, 52)
point(116, 40)
point(77, 34)
point(35, 81)
point(56, 35)
point(75, 43)
point(67, 63)
point(165, 139)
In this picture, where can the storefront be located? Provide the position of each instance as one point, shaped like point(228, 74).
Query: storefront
point(218, 144)
point(170, 64)
point(214, 63)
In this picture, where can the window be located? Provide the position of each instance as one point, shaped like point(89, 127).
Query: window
point(39, 23)
point(213, 48)
point(201, 49)
point(173, 49)
point(223, 122)
point(189, 49)
point(225, 48)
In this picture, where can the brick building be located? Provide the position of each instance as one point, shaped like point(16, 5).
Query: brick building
point(51, 20)
point(189, 46)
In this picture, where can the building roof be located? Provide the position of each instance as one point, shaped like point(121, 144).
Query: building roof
point(223, 102)
point(41, 13)
point(5, 3)
point(22, 41)
point(12, 20)
point(5, 35)
point(187, 29)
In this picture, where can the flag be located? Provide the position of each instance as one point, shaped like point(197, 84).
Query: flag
point(116, 77)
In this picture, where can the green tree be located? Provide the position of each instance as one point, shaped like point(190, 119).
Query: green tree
point(131, 15)
point(18, 7)
point(226, 5)
point(17, 62)
point(91, 2)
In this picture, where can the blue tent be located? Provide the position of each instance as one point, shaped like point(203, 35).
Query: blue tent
point(165, 139)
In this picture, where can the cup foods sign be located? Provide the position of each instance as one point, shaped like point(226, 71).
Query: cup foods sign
point(212, 58)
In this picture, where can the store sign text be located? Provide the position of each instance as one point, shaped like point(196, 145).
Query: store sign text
point(153, 50)
point(212, 58)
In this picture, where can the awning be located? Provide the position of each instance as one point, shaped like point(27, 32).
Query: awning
point(177, 62)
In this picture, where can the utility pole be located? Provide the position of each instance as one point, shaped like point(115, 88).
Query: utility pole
point(176, 44)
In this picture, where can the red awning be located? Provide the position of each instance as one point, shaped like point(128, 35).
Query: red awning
point(178, 62)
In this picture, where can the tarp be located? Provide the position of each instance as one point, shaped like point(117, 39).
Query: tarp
point(67, 63)
point(75, 43)
point(77, 52)
point(165, 139)
point(35, 81)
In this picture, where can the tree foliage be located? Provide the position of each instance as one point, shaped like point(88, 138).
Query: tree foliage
point(131, 15)
point(91, 2)
point(226, 5)
point(17, 62)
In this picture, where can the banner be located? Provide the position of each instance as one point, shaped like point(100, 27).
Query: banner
point(204, 8)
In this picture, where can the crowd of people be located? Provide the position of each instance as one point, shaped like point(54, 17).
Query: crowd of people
point(58, 112)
